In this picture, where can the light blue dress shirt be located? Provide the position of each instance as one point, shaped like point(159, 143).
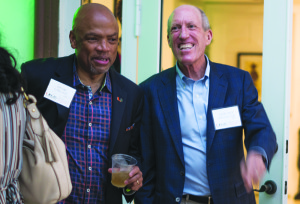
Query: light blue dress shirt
point(192, 99)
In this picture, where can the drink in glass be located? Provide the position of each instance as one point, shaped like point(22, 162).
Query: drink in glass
point(122, 164)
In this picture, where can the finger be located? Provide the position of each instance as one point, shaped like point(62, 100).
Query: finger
point(138, 184)
point(243, 171)
point(256, 167)
point(136, 179)
point(110, 170)
point(248, 185)
point(259, 173)
point(261, 169)
point(245, 176)
point(135, 170)
point(255, 176)
point(135, 185)
point(135, 182)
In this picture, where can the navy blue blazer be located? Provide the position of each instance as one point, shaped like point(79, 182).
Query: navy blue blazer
point(162, 152)
point(38, 73)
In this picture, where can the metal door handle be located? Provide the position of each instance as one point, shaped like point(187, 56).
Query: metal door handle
point(269, 187)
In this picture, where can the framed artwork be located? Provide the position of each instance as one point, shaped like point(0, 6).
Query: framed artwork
point(118, 10)
point(252, 63)
point(85, 2)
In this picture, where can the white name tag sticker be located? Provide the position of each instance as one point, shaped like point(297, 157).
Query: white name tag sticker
point(226, 117)
point(59, 93)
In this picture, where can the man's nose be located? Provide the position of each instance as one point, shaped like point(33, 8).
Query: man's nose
point(184, 33)
point(103, 46)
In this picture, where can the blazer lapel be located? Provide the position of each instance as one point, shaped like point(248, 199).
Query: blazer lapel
point(217, 92)
point(64, 73)
point(168, 99)
point(117, 110)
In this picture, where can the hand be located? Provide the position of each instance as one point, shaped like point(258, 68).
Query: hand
point(253, 170)
point(135, 181)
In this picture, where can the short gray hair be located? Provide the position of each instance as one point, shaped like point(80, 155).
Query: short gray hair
point(205, 22)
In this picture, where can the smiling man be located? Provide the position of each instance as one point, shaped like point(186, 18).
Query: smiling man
point(194, 117)
point(96, 111)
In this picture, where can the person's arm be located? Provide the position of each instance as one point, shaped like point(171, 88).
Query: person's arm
point(146, 194)
point(260, 139)
point(135, 182)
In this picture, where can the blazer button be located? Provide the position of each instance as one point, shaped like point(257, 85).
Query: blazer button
point(177, 199)
point(182, 173)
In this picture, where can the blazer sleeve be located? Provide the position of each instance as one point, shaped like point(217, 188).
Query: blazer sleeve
point(135, 149)
point(257, 127)
point(145, 195)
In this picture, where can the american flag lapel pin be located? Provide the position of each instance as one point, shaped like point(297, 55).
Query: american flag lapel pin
point(120, 99)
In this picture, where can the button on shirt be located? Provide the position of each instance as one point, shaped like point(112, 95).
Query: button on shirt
point(86, 137)
point(192, 99)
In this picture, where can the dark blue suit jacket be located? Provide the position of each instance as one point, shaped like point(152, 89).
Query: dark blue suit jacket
point(163, 160)
point(38, 73)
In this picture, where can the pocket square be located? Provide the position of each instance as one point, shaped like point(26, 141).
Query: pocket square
point(130, 128)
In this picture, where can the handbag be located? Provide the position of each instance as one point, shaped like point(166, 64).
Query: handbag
point(45, 176)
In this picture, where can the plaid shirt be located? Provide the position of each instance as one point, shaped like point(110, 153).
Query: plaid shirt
point(86, 137)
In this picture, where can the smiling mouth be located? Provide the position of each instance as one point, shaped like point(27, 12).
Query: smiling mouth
point(102, 61)
point(185, 46)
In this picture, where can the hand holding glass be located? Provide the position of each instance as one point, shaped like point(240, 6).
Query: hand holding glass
point(122, 164)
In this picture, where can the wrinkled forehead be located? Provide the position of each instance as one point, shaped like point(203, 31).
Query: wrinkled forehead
point(186, 13)
point(98, 24)
point(94, 16)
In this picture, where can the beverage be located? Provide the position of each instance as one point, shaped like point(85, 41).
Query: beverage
point(118, 178)
point(122, 164)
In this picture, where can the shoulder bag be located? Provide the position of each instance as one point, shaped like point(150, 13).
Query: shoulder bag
point(45, 177)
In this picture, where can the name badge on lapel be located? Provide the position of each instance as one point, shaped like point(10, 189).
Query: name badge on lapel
point(59, 93)
point(226, 117)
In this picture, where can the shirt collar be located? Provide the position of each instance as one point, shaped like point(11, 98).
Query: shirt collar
point(206, 74)
point(77, 82)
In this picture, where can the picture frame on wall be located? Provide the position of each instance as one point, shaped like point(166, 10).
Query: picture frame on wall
point(252, 63)
point(85, 2)
point(118, 10)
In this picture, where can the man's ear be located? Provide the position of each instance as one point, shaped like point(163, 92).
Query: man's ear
point(209, 36)
point(72, 38)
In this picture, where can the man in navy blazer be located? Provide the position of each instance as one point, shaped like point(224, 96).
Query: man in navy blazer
point(193, 122)
point(105, 112)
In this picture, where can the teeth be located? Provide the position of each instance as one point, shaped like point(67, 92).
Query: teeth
point(185, 46)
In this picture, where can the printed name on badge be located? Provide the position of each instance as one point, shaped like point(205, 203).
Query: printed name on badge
point(226, 117)
point(60, 93)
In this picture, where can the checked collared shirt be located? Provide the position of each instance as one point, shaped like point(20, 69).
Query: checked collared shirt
point(86, 137)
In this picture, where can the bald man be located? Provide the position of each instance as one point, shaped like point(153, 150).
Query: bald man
point(96, 111)
point(194, 117)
